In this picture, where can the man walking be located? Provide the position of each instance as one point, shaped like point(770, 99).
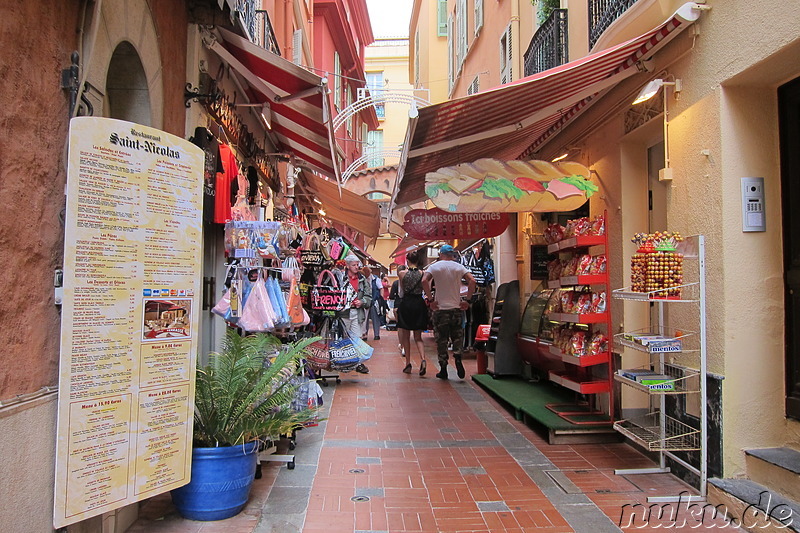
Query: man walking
point(448, 306)
point(359, 299)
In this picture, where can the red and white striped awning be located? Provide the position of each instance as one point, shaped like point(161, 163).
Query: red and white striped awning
point(297, 99)
point(515, 119)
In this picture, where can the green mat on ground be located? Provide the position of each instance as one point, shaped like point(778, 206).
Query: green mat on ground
point(532, 399)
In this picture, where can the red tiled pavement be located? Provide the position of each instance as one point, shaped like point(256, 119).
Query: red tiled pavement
point(430, 486)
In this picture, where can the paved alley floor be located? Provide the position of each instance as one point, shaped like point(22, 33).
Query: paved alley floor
point(404, 453)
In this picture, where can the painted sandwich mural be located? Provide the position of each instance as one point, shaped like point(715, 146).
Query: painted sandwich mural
point(489, 185)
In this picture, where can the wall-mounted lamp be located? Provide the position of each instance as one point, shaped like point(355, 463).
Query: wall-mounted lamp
point(649, 91)
point(568, 151)
point(317, 200)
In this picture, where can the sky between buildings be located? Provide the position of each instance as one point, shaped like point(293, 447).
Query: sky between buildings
point(389, 18)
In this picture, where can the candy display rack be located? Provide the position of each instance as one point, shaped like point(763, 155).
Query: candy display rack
point(656, 431)
point(587, 373)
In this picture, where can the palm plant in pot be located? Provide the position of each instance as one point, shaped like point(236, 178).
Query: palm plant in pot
point(239, 401)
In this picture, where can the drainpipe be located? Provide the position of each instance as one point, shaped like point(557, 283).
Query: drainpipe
point(288, 34)
point(516, 73)
point(516, 54)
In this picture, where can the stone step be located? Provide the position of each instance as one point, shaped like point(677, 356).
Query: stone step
point(776, 468)
point(753, 507)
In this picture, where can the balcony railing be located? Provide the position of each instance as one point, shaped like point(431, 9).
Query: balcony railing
point(264, 35)
point(246, 11)
point(602, 13)
point(549, 46)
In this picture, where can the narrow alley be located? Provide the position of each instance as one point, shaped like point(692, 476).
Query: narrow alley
point(404, 453)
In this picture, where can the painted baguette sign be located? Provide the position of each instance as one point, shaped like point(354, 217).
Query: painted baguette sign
point(489, 185)
point(438, 224)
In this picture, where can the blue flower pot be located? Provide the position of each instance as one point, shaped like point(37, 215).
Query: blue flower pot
point(220, 485)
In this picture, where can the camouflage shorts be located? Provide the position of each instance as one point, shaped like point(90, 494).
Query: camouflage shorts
point(448, 328)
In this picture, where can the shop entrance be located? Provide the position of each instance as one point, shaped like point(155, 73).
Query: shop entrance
point(789, 117)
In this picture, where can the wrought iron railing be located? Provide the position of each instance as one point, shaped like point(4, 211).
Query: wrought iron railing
point(602, 13)
point(265, 34)
point(549, 45)
point(246, 11)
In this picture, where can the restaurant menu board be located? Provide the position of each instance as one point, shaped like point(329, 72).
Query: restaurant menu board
point(130, 316)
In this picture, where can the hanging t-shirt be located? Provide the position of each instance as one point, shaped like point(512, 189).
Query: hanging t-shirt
point(447, 276)
point(212, 166)
point(222, 203)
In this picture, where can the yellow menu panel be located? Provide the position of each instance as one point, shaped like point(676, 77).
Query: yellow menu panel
point(130, 316)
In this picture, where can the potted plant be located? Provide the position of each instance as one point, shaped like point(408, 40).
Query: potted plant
point(238, 402)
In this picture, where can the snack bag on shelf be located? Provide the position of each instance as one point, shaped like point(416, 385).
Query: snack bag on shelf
point(553, 233)
point(582, 226)
point(569, 229)
point(598, 264)
point(564, 340)
point(598, 344)
point(598, 225)
point(598, 302)
point(567, 301)
point(554, 269)
point(570, 267)
point(578, 344)
point(584, 303)
point(584, 265)
point(553, 304)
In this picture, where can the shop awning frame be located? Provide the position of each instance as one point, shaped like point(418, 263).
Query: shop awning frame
point(344, 206)
point(514, 120)
point(297, 99)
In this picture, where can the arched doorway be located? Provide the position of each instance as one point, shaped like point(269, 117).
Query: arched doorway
point(127, 93)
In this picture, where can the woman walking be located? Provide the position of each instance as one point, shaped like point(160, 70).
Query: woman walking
point(412, 315)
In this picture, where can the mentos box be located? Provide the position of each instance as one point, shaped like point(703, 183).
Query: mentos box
point(658, 382)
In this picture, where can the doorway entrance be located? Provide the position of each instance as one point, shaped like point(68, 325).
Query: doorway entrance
point(789, 124)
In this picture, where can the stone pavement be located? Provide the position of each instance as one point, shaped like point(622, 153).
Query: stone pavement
point(403, 453)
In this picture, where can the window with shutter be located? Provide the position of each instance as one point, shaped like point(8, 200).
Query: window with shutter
point(373, 146)
point(506, 69)
point(450, 51)
point(510, 53)
point(441, 18)
point(337, 81)
point(478, 16)
point(297, 47)
point(375, 83)
point(349, 121)
point(473, 87)
point(504, 58)
point(461, 17)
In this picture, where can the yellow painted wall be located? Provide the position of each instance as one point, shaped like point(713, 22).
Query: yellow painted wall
point(433, 51)
point(391, 58)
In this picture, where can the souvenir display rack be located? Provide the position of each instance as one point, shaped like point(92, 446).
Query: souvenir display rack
point(656, 431)
point(584, 374)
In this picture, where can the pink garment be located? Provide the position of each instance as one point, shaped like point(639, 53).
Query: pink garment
point(258, 313)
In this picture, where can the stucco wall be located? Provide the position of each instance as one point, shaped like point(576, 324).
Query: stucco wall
point(27, 439)
point(33, 113)
point(38, 41)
